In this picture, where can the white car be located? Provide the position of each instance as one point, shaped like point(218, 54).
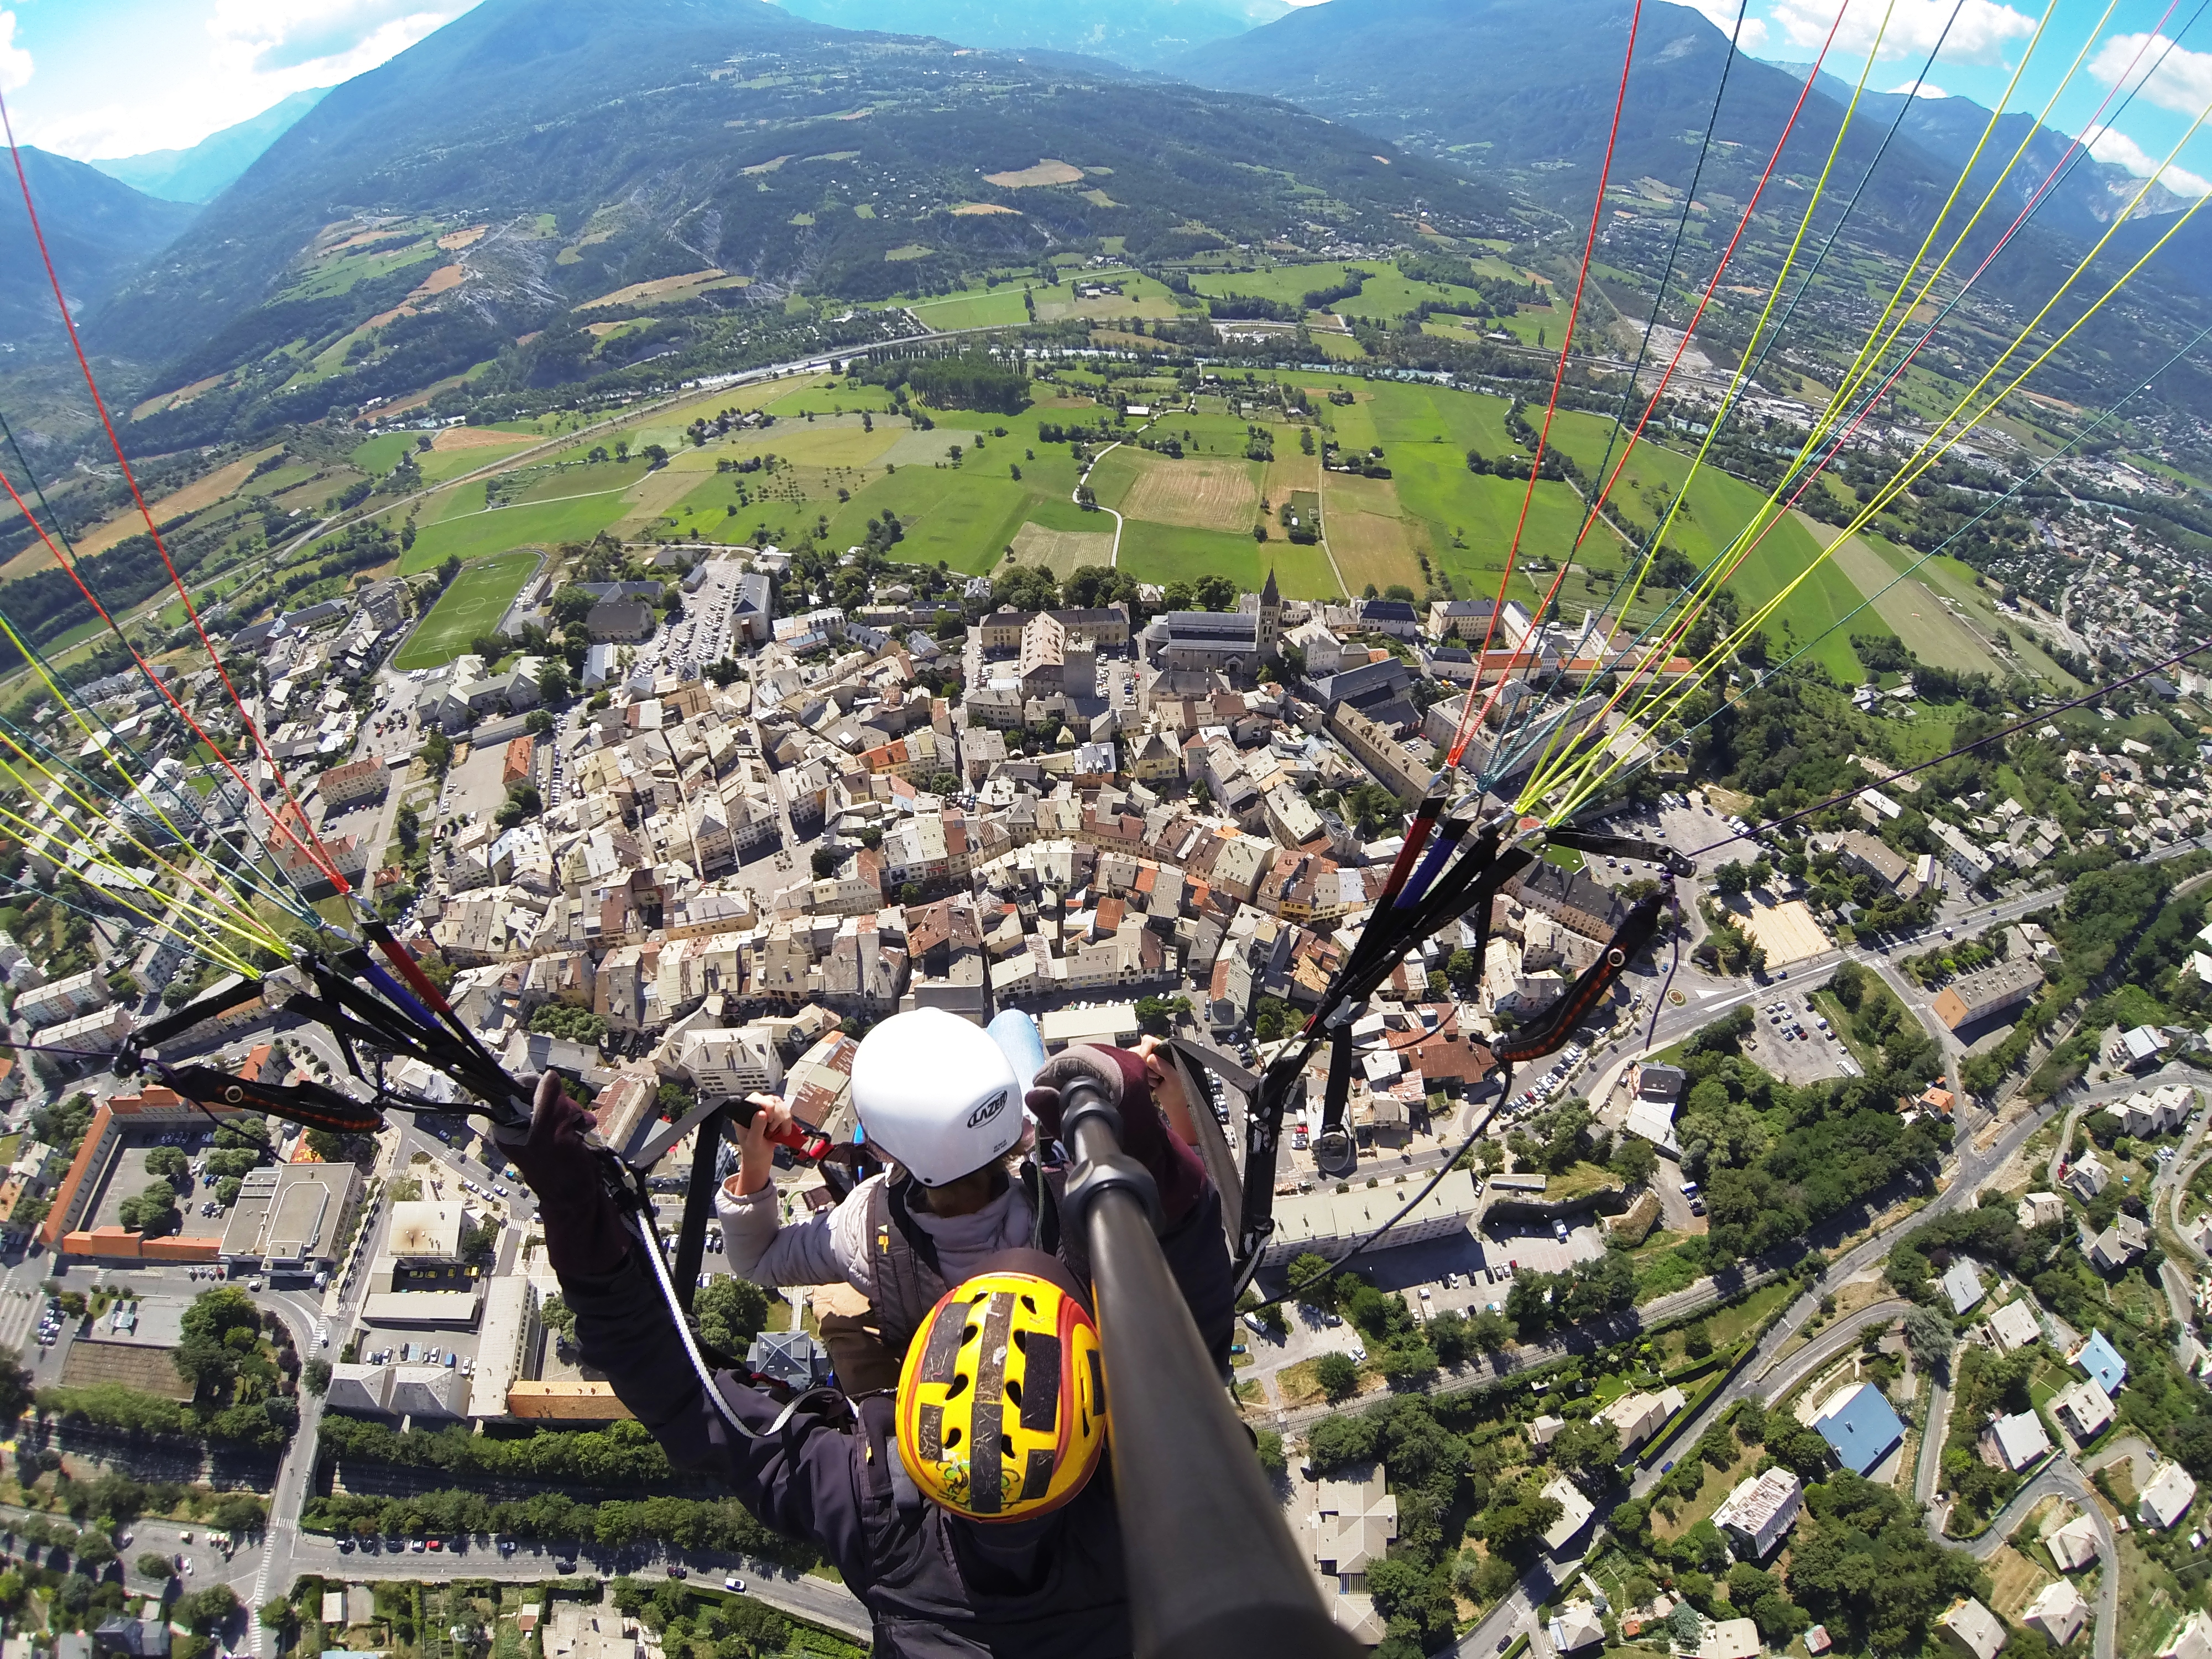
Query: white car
point(733, 1582)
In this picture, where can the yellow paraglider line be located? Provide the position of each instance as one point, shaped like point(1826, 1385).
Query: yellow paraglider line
point(1929, 452)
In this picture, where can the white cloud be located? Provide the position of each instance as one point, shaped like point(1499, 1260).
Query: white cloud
point(14, 62)
point(259, 52)
point(2170, 76)
point(2114, 146)
point(1914, 26)
point(1722, 15)
point(1925, 90)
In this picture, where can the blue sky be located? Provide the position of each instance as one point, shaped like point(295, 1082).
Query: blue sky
point(92, 78)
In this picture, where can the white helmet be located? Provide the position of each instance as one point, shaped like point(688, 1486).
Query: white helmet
point(936, 1094)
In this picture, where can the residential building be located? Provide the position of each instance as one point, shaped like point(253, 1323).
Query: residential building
point(1639, 1416)
point(2167, 1498)
point(1576, 1626)
point(2083, 1410)
point(1382, 755)
point(1859, 1427)
point(2087, 1178)
point(1357, 1521)
point(722, 1063)
point(2103, 1362)
point(1575, 1511)
point(1730, 1638)
point(1326, 1221)
point(2040, 1210)
point(362, 780)
point(2016, 1441)
point(2120, 1245)
point(2192, 1641)
point(2058, 1611)
point(1973, 998)
point(2014, 1325)
point(620, 621)
point(1760, 1510)
point(1973, 1629)
point(2075, 1545)
point(1962, 1285)
point(64, 999)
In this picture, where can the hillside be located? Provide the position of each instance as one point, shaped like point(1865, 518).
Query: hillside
point(205, 170)
point(1524, 95)
point(1139, 32)
point(98, 230)
point(427, 216)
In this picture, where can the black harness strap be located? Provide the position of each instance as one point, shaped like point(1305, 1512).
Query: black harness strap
point(1551, 1032)
point(1627, 846)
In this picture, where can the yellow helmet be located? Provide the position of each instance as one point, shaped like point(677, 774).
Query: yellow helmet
point(1002, 1396)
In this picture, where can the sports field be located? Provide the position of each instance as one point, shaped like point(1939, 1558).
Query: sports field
point(476, 600)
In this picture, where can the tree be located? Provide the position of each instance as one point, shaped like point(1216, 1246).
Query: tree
point(1337, 1375)
point(153, 1211)
point(156, 1567)
point(1586, 1445)
point(732, 1312)
point(1517, 1517)
point(218, 1330)
point(316, 1377)
point(1928, 1337)
point(1634, 1161)
point(1157, 1015)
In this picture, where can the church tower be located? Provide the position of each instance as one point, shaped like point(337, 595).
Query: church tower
point(1271, 619)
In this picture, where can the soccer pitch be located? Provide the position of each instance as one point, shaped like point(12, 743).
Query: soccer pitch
point(477, 600)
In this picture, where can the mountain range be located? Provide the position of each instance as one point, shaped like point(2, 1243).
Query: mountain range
point(208, 168)
point(98, 230)
point(1137, 32)
point(468, 199)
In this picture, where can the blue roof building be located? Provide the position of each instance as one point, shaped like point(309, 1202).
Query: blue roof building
point(1861, 1428)
point(2102, 1361)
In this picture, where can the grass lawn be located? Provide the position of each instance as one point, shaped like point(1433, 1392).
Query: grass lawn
point(476, 600)
point(997, 307)
point(473, 533)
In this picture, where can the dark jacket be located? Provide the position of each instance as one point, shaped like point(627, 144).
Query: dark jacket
point(937, 1586)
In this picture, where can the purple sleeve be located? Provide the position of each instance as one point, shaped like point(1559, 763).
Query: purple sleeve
point(1146, 1138)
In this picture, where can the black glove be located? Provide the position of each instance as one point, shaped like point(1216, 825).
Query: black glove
point(583, 1232)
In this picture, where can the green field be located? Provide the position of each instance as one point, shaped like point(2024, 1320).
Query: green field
point(995, 307)
point(476, 600)
point(469, 531)
point(1431, 509)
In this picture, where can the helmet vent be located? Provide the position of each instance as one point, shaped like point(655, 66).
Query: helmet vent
point(1014, 1390)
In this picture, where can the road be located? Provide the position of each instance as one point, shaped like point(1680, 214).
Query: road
point(1114, 556)
point(1759, 1376)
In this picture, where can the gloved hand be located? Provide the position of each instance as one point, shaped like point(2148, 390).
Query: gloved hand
point(1174, 1166)
point(583, 1232)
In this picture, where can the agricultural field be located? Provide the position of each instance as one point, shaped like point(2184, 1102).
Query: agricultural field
point(836, 458)
point(474, 604)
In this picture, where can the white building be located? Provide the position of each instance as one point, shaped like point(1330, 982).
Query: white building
point(2192, 1641)
point(2058, 1611)
point(2083, 1410)
point(1760, 1510)
point(2019, 1439)
point(1640, 1416)
point(2075, 1545)
point(2013, 1326)
point(1973, 1628)
point(2167, 1498)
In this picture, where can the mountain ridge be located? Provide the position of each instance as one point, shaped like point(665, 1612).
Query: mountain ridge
point(202, 171)
point(1136, 34)
point(100, 231)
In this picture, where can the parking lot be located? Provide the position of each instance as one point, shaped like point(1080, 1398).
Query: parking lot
point(1793, 1041)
